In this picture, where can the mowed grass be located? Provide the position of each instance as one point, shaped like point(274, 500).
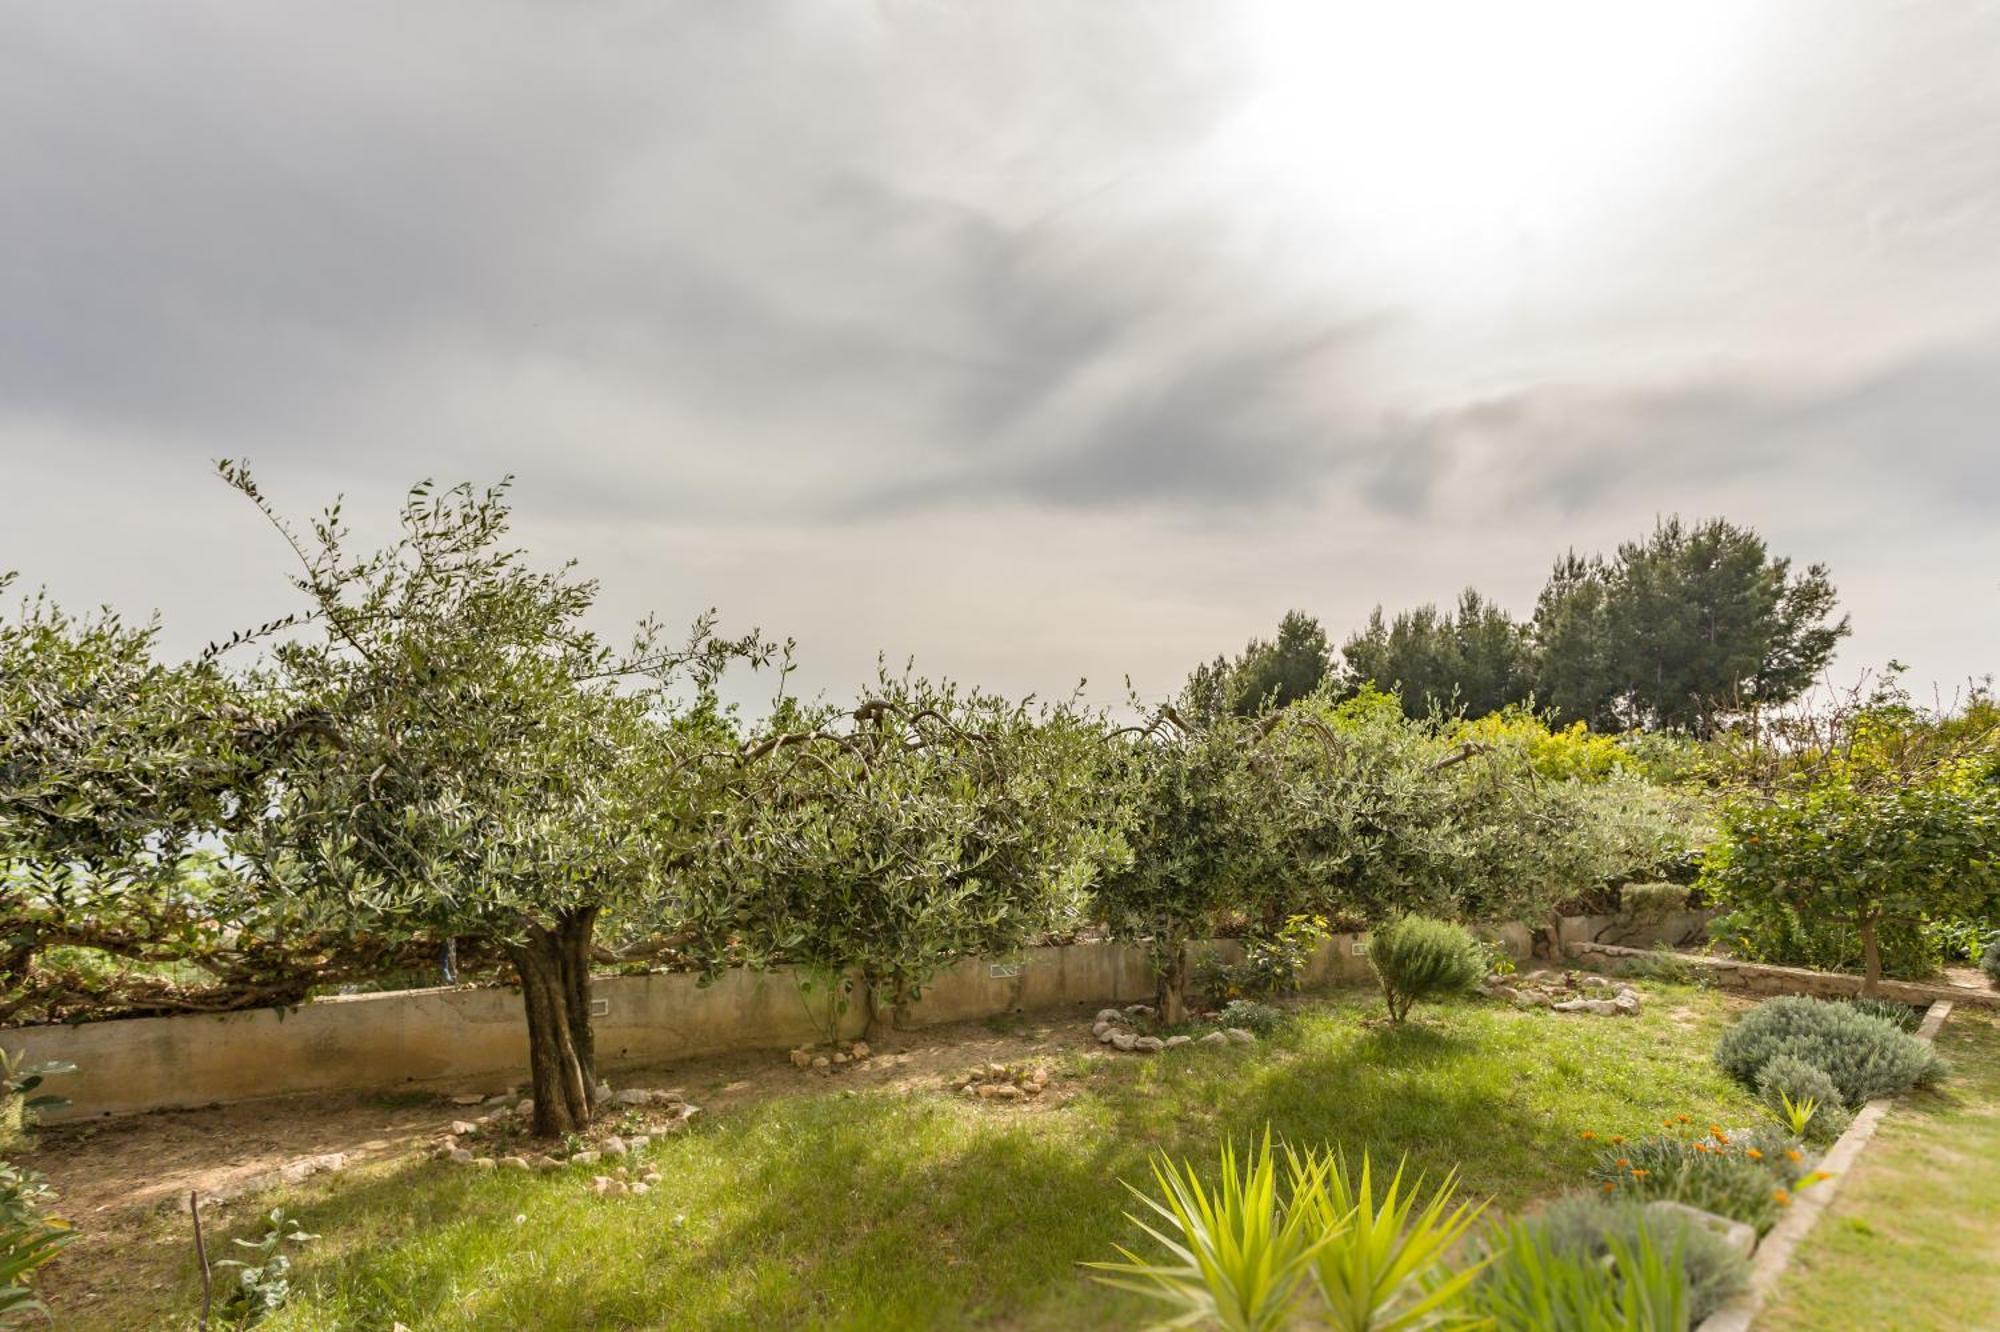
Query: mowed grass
point(919, 1209)
point(1913, 1240)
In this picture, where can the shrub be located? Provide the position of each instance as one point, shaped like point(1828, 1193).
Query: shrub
point(1418, 958)
point(1251, 1016)
point(1989, 961)
point(1273, 961)
point(1588, 1225)
point(1904, 1017)
point(1788, 1084)
point(1532, 1284)
point(28, 1238)
point(1650, 901)
point(1864, 1056)
point(1749, 1176)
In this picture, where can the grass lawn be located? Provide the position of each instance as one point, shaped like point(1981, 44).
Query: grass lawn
point(1913, 1240)
point(911, 1207)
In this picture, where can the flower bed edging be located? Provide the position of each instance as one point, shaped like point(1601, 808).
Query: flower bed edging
point(1774, 1253)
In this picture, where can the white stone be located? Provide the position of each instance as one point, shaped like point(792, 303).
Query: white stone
point(639, 1143)
point(1110, 1015)
point(1123, 1040)
point(1214, 1038)
point(1149, 1044)
point(1175, 1042)
point(514, 1162)
point(586, 1158)
point(613, 1145)
point(461, 1157)
point(464, 1127)
point(633, 1096)
point(1239, 1036)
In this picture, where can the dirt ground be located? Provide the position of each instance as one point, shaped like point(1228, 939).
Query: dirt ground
point(125, 1183)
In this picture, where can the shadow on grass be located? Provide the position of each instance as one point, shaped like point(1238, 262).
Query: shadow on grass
point(890, 1210)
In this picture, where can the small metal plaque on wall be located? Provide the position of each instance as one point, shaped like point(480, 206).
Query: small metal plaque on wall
point(1003, 970)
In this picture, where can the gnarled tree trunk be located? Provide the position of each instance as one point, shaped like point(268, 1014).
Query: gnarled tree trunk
point(554, 966)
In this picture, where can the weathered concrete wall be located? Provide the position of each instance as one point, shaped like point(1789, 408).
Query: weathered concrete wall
point(477, 1039)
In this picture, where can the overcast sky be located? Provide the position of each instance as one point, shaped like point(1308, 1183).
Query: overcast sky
point(1037, 340)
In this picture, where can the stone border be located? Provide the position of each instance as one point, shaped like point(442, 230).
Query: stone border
point(1775, 1251)
point(1764, 978)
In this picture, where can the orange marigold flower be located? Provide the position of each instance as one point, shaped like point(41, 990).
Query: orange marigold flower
point(1640, 1174)
point(1685, 1119)
point(1753, 1153)
point(1780, 1197)
point(1609, 1186)
point(1617, 1137)
point(1624, 1163)
point(1792, 1155)
point(1586, 1135)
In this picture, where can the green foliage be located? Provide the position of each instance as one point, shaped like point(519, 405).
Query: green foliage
point(1536, 1283)
point(1272, 962)
point(1761, 928)
point(936, 824)
point(1265, 676)
point(1417, 958)
point(1717, 1173)
point(1904, 1017)
point(1250, 1016)
point(1864, 1056)
point(461, 756)
point(1803, 1098)
point(1587, 1225)
point(1380, 1263)
point(1989, 960)
point(18, 1083)
point(263, 1280)
point(1472, 662)
point(1240, 1253)
point(1681, 630)
point(28, 1239)
point(1652, 901)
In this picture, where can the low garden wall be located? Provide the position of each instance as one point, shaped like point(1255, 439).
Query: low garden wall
point(475, 1039)
point(1762, 978)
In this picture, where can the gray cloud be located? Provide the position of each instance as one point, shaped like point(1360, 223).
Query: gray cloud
point(853, 315)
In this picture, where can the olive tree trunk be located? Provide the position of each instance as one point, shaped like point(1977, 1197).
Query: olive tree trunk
point(554, 967)
point(1170, 994)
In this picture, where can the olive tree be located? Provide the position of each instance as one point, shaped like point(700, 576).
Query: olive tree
point(470, 760)
point(877, 847)
point(118, 771)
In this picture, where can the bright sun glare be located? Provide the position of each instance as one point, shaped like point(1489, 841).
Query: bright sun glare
point(1426, 134)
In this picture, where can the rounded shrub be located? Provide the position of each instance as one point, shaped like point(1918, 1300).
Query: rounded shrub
point(1416, 958)
point(1989, 961)
point(1788, 1076)
point(1864, 1056)
point(1587, 1224)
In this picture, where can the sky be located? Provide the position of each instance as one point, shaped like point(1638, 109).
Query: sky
point(1040, 342)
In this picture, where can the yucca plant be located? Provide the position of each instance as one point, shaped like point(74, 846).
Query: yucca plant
point(1797, 1115)
point(1239, 1254)
point(1380, 1268)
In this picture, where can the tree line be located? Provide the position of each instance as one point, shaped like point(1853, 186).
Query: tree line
point(1684, 630)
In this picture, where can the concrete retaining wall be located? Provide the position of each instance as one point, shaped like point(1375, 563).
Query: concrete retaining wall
point(476, 1038)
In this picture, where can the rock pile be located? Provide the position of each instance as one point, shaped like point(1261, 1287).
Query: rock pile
point(1566, 992)
point(824, 1060)
point(1003, 1082)
point(662, 1113)
point(1114, 1027)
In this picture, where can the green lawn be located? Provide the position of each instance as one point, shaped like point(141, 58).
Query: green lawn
point(1913, 1240)
point(915, 1208)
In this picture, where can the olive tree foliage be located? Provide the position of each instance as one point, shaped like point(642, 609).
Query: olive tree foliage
point(117, 774)
point(1196, 836)
point(470, 760)
point(876, 847)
